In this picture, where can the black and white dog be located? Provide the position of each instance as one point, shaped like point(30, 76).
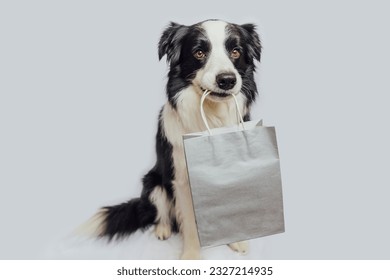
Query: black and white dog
point(212, 55)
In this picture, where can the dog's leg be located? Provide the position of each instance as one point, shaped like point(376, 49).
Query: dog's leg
point(163, 204)
point(185, 217)
point(240, 247)
point(185, 214)
point(184, 209)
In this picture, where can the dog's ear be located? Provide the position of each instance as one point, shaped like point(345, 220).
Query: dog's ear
point(253, 40)
point(170, 42)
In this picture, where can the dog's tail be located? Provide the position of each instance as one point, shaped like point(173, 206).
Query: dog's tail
point(121, 220)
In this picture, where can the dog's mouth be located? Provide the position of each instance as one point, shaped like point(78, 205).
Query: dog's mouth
point(216, 94)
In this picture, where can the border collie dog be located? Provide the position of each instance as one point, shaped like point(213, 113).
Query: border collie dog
point(211, 55)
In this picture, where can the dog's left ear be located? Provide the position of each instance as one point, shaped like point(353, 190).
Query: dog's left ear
point(170, 42)
point(253, 40)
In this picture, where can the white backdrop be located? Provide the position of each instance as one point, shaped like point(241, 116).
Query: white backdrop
point(80, 91)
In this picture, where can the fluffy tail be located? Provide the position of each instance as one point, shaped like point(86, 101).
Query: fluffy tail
point(121, 220)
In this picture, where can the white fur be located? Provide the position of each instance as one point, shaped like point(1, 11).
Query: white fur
point(164, 205)
point(93, 227)
point(240, 247)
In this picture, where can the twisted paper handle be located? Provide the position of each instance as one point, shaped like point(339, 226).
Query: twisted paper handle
point(207, 92)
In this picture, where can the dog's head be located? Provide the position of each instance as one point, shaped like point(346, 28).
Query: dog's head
point(212, 55)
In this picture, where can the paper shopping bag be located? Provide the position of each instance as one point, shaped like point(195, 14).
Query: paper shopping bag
point(235, 181)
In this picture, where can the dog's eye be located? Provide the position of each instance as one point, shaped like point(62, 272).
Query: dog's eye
point(199, 55)
point(235, 53)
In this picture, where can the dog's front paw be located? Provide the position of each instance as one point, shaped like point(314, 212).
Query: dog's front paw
point(190, 255)
point(162, 231)
point(240, 247)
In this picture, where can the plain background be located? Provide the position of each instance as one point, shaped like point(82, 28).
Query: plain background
point(81, 87)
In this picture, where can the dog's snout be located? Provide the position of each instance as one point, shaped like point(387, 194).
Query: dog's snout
point(226, 81)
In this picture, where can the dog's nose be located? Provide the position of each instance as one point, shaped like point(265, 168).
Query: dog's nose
point(226, 81)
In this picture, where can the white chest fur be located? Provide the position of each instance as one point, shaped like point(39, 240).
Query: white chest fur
point(186, 118)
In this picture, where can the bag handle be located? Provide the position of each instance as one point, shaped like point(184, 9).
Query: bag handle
point(207, 92)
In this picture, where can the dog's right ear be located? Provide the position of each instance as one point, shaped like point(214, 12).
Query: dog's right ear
point(252, 40)
point(170, 42)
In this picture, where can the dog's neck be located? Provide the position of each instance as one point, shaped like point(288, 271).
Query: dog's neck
point(186, 117)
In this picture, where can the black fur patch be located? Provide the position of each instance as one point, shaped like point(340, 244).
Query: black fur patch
point(179, 43)
point(139, 213)
point(124, 219)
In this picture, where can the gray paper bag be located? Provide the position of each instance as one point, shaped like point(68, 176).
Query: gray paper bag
point(235, 181)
